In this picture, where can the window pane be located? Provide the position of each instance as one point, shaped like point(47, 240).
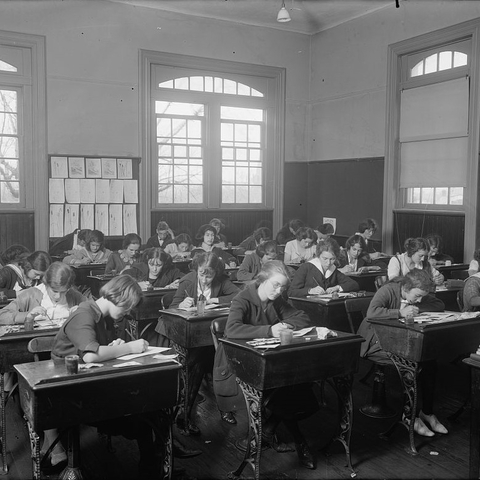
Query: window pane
point(254, 132)
point(417, 69)
point(177, 108)
point(165, 194)
point(8, 147)
point(165, 151)
point(427, 195)
point(431, 63)
point(255, 176)
point(228, 194)
point(9, 192)
point(9, 170)
point(445, 61)
point(180, 194)
point(196, 194)
point(416, 195)
point(8, 123)
point(242, 176)
point(196, 175)
point(8, 101)
point(165, 174)
point(196, 83)
point(241, 194)
point(459, 59)
point(441, 196)
point(228, 175)
point(255, 194)
point(238, 113)
point(6, 67)
point(456, 196)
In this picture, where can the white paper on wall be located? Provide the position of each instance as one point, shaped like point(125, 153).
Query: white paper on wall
point(72, 190)
point(130, 189)
point(116, 191)
point(87, 216)
point(124, 168)
point(87, 190)
point(129, 219)
point(56, 190)
point(56, 220)
point(59, 167)
point(115, 220)
point(102, 191)
point(71, 220)
point(101, 218)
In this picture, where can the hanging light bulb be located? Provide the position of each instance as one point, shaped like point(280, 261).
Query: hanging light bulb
point(283, 15)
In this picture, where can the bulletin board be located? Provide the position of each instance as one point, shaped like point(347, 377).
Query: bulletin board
point(95, 192)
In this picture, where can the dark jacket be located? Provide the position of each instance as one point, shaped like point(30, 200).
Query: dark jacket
point(139, 272)
point(153, 242)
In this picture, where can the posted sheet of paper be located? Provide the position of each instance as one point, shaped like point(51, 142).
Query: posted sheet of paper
point(101, 217)
point(116, 191)
point(130, 189)
point(102, 191)
point(115, 220)
point(59, 167)
point(56, 190)
point(71, 218)
point(87, 219)
point(124, 168)
point(129, 218)
point(72, 190)
point(87, 190)
point(109, 168)
point(56, 220)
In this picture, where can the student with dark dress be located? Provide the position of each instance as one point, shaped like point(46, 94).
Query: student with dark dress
point(320, 275)
point(209, 280)
point(253, 262)
point(125, 258)
point(206, 243)
point(287, 232)
point(220, 238)
point(350, 258)
point(94, 251)
point(366, 229)
point(24, 273)
point(69, 242)
point(156, 269)
point(259, 236)
point(260, 311)
point(405, 296)
point(162, 238)
point(324, 231)
point(435, 254)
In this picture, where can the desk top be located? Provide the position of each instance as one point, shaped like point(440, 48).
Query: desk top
point(193, 315)
point(367, 273)
point(328, 300)
point(454, 266)
point(301, 361)
point(46, 374)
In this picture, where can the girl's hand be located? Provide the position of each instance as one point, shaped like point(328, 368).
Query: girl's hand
point(346, 269)
point(187, 302)
point(333, 289)
point(138, 346)
point(144, 285)
point(316, 290)
point(278, 327)
point(173, 284)
point(212, 300)
point(438, 279)
point(117, 341)
point(36, 311)
point(409, 310)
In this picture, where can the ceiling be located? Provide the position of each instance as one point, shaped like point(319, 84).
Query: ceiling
point(308, 16)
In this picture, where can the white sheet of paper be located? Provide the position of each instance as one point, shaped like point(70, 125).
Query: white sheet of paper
point(124, 168)
point(71, 217)
point(87, 216)
point(59, 167)
point(116, 191)
point(72, 190)
point(302, 332)
point(87, 190)
point(101, 217)
point(129, 219)
point(56, 220)
point(130, 191)
point(56, 190)
point(126, 364)
point(115, 220)
point(93, 168)
point(102, 191)
point(109, 168)
point(150, 351)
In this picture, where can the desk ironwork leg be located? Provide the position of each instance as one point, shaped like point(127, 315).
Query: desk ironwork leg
point(343, 388)
point(253, 400)
point(408, 372)
point(4, 425)
point(35, 449)
point(184, 388)
point(72, 470)
point(474, 424)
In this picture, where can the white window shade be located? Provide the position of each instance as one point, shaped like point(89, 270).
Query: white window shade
point(435, 111)
point(434, 163)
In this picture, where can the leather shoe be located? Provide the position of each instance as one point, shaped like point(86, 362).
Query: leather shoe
point(305, 456)
point(228, 417)
point(180, 451)
point(272, 441)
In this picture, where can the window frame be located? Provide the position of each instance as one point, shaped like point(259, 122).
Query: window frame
point(34, 196)
point(393, 196)
point(274, 121)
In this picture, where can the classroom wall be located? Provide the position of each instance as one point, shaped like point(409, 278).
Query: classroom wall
point(93, 69)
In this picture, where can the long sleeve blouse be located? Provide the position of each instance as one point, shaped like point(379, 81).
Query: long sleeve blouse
point(398, 266)
point(310, 275)
point(295, 253)
point(249, 268)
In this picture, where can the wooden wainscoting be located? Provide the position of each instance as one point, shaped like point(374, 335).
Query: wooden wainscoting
point(17, 228)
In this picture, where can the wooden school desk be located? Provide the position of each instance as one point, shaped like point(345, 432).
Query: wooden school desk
point(190, 335)
point(52, 399)
point(83, 271)
point(448, 296)
point(13, 350)
point(366, 281)
point(303, 361)
point(408, 346)
point(325, 311)
point(447, 271)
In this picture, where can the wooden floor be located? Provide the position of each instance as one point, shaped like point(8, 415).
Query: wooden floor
point(440, 457)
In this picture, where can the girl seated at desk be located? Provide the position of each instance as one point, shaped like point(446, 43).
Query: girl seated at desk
point(415, 256)
point(320, 275)
point(350, 259)
point(404, 296)
point(180, 249)
point(206, 235)
point(94, 251)
point(53, 298)
point(471, 293)
point(155, 270)
point(261, 311)
point(220, 238)
point(86, 334)
point(23, 271)
point(253, 263)
point(125, 258)
point(435, 254)
point(259, 236)
point(302, 248)
point(287, 232)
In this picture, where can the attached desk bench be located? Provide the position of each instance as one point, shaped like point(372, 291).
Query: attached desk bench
point(51, 398)
point(408, 346)
point(303, 361)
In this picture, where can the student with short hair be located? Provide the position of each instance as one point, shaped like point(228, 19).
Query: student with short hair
point(259, 236)
point(302, 248)
point(125, 258)
point(164, 235)
point(94, 251)
point(253, 262)
point(220, 238)
point(324, 231)
point(287, 232)
point(350, 259)
point(180, 248)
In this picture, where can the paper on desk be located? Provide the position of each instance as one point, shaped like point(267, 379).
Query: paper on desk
point(210, 306)
point(166, 358)
point(126, 364)
point(302, 332)
point(436, 317)
point(150, 351)
point(265, 346)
